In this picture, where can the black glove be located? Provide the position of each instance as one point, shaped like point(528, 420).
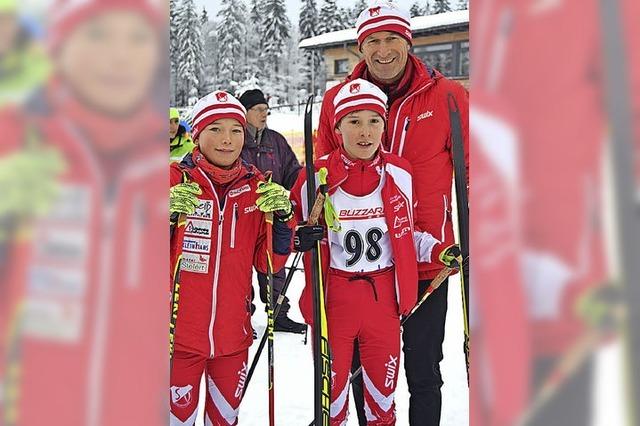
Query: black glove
point(307, 236)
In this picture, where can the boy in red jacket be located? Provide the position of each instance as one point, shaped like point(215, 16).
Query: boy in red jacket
point(223, 238)
point(370, 262)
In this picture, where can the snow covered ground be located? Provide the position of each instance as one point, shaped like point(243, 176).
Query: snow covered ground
point(294, 373)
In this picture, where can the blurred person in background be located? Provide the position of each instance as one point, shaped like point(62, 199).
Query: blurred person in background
point(268, 150)
point(180, 143)
point(83, 313)
point(23, 61)
point(418, 130)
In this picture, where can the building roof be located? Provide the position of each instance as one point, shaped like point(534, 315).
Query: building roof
point(430, 24)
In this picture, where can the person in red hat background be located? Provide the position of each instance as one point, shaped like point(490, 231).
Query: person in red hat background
point(418, 130)
point(268, 150)
point(83, 313)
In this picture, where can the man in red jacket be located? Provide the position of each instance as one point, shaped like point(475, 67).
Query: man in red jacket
point(418, 130)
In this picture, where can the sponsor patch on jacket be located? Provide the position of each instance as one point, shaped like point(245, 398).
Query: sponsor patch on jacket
point(194, 262)
point(204, 210)
point(238, 191)
point(199, 228)
point(200, 245)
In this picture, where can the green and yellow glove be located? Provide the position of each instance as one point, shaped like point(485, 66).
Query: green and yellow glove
point(274, 198)
point(30, 182)
point(183, 198)
point(451, 257)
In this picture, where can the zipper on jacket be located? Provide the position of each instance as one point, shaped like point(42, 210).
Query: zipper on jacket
point(216, 271)
point(399, 153)
point(405, 127)
point(234, 219)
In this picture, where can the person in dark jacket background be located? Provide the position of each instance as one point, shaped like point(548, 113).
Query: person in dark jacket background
point(268, 150)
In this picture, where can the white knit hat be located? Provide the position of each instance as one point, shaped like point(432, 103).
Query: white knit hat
point(358, 95)
point(214, 106)
point(383, 16)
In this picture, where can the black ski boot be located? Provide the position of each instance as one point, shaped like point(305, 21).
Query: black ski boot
point(285, 324)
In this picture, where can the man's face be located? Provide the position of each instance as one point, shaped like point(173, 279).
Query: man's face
point(221, 142)
point(110, 61)
point(174, 124)
point(257, 116)
point(386, 55)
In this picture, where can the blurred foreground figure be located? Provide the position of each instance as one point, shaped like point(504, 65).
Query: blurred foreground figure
point(547, 99)
point(83, 315)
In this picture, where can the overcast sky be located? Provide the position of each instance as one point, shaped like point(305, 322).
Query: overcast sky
point(293, 6)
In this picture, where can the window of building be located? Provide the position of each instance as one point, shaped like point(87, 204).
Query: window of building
point(341, 66)
point(439, 56)
point(463, 59)
point(451, 59)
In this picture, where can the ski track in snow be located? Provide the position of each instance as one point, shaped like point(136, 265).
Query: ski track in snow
point(294, 372)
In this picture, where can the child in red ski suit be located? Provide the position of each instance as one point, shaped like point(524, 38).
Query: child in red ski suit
point(220, 201)
point(369, 265)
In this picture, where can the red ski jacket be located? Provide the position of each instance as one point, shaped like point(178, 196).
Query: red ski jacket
point(397, 196)
point(418, 130)
point(220, 244)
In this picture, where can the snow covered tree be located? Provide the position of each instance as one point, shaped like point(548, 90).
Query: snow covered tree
point(328, 20)
point(173, 50)
point(344, 18)
point(189, 56)
point(204, 18)
point(310, 62)
point(415, 10)
point(441, 6)
point(231, 33)
point(462, 5)
point(255, 30)
point(428, 8)
point(275, 36)
point(357, 9)
point(210, 56)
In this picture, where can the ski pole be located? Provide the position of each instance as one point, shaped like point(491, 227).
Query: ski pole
point(313, 220)
point(269, 219)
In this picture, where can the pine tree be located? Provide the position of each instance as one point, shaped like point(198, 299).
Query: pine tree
point(441, 6)
point(254, 40)
point(231, 43)
point(428, 8)
point(415, 10)
point(308, 24)
point(462, 5)
point(210, 56)
point(204, 18)
point(276, 34)
point(173, 50)
point(328, 19)
point(344, 19)
point(189, 67)
point(357, 9)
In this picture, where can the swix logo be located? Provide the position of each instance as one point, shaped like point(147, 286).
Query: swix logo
point(181, 396)
point(392, 367)
point(399, 221)
point(250, 209)
point(398, 206)
point(354, 88)
point(374, 11)
point(241, 380)
point(221, 97)
point(424, 115)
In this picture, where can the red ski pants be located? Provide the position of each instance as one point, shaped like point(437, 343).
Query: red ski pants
point(364, 307)
point(225, 379)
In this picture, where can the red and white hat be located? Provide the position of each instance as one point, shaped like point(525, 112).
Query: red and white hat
point(358, 95)
point(383, 16)
point(214, 106)
point(65, 15)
